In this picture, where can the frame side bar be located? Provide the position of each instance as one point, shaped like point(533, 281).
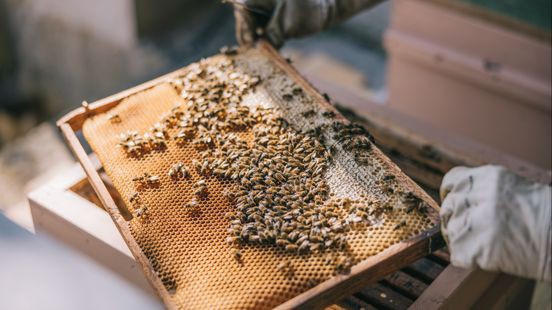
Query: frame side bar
point(108, 202)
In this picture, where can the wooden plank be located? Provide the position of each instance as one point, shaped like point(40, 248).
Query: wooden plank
point(441, 255)
point(424, 269)
point(501, 20)
point(456, 288)
point(405, 284)
point(507, 292)
point(383, 297)
point(354, 303)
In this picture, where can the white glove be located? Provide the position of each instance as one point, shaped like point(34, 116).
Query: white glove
point(495, 220)
point(284, 19)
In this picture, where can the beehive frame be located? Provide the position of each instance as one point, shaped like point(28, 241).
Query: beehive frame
point(368, 270)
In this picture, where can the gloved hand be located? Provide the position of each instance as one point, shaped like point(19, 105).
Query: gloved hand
point(495, 220)
point(283, 19)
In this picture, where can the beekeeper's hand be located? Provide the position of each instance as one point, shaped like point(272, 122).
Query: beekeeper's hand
point(278, 20)
point(495, 220)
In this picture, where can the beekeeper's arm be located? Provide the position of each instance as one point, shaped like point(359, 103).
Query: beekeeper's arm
point(280, 20)
point(497, 221)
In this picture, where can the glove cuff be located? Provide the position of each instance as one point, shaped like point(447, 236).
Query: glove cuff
point(546, 245)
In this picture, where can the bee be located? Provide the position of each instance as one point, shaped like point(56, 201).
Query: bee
point(388, 177)
point(159, 130)
point(147, 180)
point(134, 198)
point(309, 113)
point(238, 255)
point(156, 141)
point(204, 167)
point(328, 114)
point(114, 118)
point(292, 247)
point(315, 248)
point(200, 188)
point(316, 238)
point(151, 178)
point(232, 239)
point(287, 97)
point(305, 246)
point(185, 134)
point(414, 202)
point(229, 50)
point(142, 211)
point(132, 143)
point(400, 225)
point(178, 171)
point(297, 90)
point(343, 264)
point(192, 204)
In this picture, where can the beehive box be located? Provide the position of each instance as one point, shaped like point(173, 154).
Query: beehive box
point(282, 202)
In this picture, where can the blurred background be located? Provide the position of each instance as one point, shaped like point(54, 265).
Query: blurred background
point(472, 74)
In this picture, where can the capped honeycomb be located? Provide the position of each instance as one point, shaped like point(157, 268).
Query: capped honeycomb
point(245, 191)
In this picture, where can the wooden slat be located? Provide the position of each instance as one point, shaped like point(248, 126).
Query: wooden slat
point(424, 269)
point(384, 297)
point(442, 254)
point(405, 284)
point(507, 292)
point(455, 288)
point(354, 303)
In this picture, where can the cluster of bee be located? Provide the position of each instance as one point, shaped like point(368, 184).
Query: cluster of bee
point(179, 171)
point(140, 208)
point(354, 138)
point(282, 198)
point(142, 182)
point(200, 189)
point(137, 145)
point(146, 180)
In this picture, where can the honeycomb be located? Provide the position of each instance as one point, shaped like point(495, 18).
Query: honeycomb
point(188, 249)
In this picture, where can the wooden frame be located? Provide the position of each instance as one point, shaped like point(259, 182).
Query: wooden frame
point(337, 287)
